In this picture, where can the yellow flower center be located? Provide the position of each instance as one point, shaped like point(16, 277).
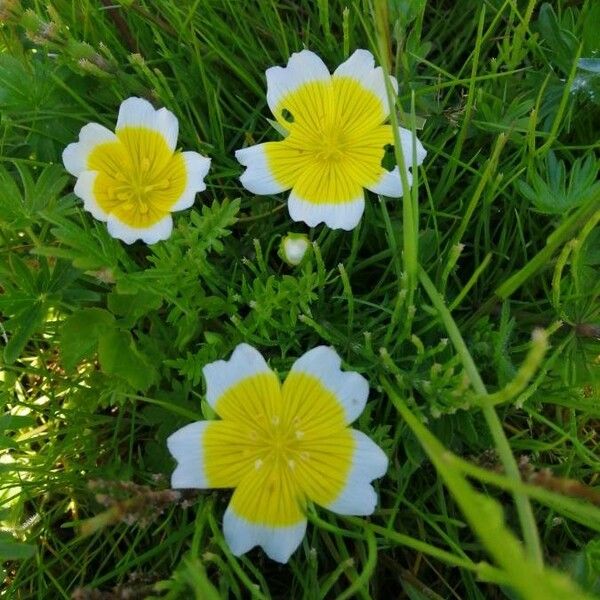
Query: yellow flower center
point(279, 446)
point(336, 140)
point(135, 189)
point(282, 444)
point(139, 177)
point(333, 147)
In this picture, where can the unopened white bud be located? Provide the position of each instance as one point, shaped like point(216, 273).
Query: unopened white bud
point(293, 248)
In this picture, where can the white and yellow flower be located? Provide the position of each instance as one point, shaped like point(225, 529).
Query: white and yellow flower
point(335, 143)
point(280, 446)
point(134, 178)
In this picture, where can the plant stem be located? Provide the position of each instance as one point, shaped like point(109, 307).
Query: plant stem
point(569, 227)
point(526, 517)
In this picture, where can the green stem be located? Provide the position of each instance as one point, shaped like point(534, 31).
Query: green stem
point(559, 118)
point(361, 583)
point(410, 212)
point(526, 518)
point(575, 509)
point(566, 230)
point(489, 170)
point(410, 542)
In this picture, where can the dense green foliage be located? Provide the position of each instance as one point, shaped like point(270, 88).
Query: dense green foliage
point(433, 297)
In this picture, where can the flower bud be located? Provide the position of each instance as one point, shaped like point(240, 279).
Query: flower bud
point(293, 248)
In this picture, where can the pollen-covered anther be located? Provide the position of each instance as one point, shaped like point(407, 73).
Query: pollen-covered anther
point(258, 463)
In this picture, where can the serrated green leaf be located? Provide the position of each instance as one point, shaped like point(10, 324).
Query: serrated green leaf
point(11, 201)
point(49, 184)
point(120, 356)
point(133, 306)
point(562, 43)
point(80, 333)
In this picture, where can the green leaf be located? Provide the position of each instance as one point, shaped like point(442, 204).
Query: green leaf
point(589, 64)
point(11, 550)
point(47, 188)
point(120, 356)
point(90, 248)
point(562, 43)
point(557, 188)
point(29, 320)
point(584, 566)
point(11, 201)
point(14, 422)
point(133, 306)
point(215, 222)
point(80, 334)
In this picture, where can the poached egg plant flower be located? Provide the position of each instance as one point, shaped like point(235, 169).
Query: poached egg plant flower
point(335, 142)
point(280, 446)
point(134, 178)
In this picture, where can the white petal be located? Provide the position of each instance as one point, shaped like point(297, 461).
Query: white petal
point(223, 374)
point(361, 66)
point(351, 389)
point(406, 139)
point(197, 167)
point(390, 184)
point(159, 231)
point(368, 462)
point(279, 543)
point(342, 215)
point(137, 112)
point(376, 83)
point(257, 178)
point(302, 67)
point(187, 449)
point(84, 188)
point(75, 156)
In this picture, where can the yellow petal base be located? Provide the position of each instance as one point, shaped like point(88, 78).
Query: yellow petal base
point(278, 446)
point(138, 177)
point(335, 144)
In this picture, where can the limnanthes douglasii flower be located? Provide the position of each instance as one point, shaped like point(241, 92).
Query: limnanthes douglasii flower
point(335, 142)
point(135, 178)
point(280, 447)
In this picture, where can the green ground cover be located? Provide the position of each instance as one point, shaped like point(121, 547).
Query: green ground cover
point(471, 305)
